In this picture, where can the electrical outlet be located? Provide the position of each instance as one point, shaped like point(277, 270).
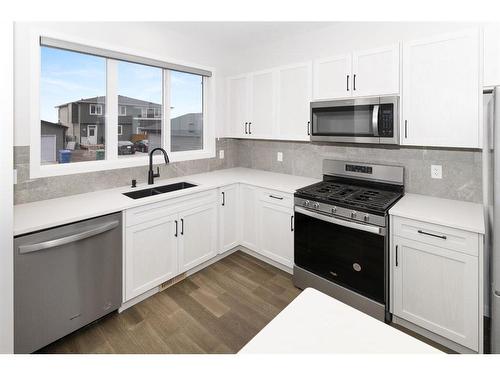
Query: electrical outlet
point(436, 171)
point(221, 154)
point(279, 156)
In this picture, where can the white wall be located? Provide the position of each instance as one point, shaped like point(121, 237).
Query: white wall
point(149, 38)
point(6, 190)
point(331, 40)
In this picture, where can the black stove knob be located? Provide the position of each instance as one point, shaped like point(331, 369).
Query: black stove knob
point(367, 217)
point(306, 203)
point(334, 210)
point(353, 214)
point(316, 205)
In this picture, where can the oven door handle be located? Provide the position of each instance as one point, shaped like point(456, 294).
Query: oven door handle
point(344, 223)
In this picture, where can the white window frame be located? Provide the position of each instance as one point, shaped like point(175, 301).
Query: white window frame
point(98, 109)
point(120, 110)
point(120, 129)
point(144, 112)
point(112, 161)
point(156, 112)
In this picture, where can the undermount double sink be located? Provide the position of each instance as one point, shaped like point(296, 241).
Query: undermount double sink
point(158, 190)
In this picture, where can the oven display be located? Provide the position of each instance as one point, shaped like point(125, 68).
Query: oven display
point(358, 168)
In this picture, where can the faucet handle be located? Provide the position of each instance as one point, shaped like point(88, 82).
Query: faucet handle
point(157, 174)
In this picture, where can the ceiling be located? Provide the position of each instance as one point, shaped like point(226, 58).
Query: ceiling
point(230, 35)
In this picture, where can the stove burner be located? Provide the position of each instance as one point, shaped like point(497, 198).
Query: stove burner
point(359, 197)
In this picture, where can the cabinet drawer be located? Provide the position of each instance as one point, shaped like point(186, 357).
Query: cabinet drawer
point(276, 197)
point(437, 235)
point(167, 207)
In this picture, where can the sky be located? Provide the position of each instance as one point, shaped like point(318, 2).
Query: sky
point(69, 76)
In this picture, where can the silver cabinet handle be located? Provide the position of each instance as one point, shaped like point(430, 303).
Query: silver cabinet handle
point(23, 249)
point(431, 234)
point(343, 223)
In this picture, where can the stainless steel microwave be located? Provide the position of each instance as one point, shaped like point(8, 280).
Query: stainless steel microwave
point(363, 120)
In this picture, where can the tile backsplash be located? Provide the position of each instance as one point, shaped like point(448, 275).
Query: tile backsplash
point(461, 168)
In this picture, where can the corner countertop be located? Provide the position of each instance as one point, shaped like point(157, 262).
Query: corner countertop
point(317, 323)
point(30, 217)
point(451, 213)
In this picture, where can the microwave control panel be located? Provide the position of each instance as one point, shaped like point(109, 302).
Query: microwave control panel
point(386, 120)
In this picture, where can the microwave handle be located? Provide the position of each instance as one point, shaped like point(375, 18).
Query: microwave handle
point(376, 109)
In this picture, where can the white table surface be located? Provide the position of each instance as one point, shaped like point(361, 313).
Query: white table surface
point(317, 323)
point(448, 212)
point(30, 217)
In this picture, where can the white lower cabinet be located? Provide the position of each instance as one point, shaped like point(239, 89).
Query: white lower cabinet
point(150, 255)
point(197, 236)
point(436, 284)
point(229, 231)
point(165, 239)
point(248, 220)
point(276, 232)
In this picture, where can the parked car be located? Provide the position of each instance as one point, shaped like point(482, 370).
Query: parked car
point(126, 148)
point(142, 145)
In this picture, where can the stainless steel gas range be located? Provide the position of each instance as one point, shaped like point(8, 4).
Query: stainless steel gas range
point(341, 233)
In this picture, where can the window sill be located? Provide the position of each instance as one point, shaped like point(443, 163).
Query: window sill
point(52, 170)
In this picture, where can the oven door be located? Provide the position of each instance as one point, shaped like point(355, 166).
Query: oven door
point(348, 253)
point(365, 120)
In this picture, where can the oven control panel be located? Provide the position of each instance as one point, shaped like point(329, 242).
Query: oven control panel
point(342, 212)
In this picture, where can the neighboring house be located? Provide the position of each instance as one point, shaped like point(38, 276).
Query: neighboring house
point(85, 121)
point(85, 118)
point(53, 139)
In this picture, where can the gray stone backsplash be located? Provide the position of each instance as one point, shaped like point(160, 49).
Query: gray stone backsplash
point(30, 190)
point(461, 168)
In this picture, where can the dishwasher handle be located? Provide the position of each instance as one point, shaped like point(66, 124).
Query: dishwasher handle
point(23, 249)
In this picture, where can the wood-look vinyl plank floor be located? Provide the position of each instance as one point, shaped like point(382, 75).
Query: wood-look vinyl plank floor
point(217, 310)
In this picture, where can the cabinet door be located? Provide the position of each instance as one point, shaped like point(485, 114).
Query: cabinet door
point(228, 218)
point(197, 235)
point(276, 232)
point(492, 55)
point(294, 97)
point(437, 289)
point(376, 71)
point(332, 77)
point(441, 91)
point(248, 222)
point(263, 104)
point(150, 255)
point(238, 104)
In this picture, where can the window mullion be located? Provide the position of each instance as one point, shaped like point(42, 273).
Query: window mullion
point(166, 111)
point(111, 109)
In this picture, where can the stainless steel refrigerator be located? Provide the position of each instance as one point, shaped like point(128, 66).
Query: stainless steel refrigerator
point(491, 197)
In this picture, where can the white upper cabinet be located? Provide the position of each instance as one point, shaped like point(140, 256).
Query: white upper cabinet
point(262, 104)
point(360, 73)
point(237, 104)
point(375, 71)
point(294, 97)
point(492, 55)
point(332, 77)
point(441, 91)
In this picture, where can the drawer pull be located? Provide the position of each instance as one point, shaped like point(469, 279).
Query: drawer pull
point(431, 234)
point(275, 197)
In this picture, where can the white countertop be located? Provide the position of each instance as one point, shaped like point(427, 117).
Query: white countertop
point(317, 323)
point(451, 213)
point(30, 217)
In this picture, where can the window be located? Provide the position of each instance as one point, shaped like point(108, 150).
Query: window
point(72, 98)
point(141, 85)
point(103, 109)
point(186, 111)
point(96, 109)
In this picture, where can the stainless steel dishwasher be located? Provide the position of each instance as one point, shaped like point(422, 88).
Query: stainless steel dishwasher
point(65, 278)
